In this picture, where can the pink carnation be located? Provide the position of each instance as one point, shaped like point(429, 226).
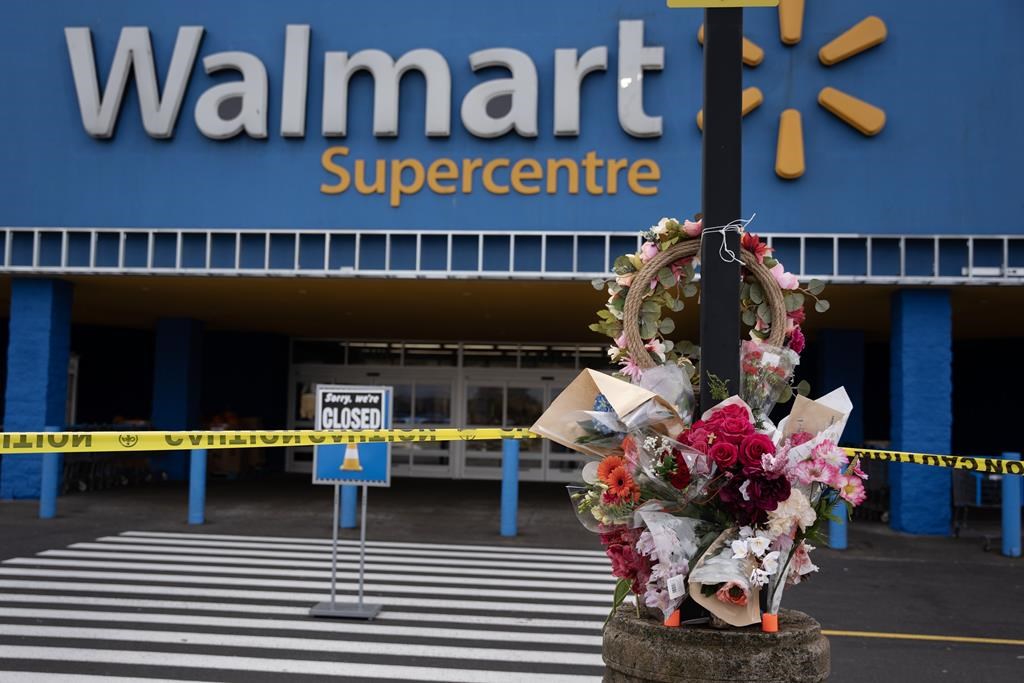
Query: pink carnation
point(851, 489)
point(810, 471)
point(797, 342)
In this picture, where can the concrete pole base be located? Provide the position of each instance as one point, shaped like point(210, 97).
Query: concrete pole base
point(644, 650)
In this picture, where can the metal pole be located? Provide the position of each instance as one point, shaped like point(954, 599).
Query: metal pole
point(362, 546)
point(720, 197)
point(1011, 510)
point(334, 547)
point(509, 486)
point(49, 486)
point(197, 488)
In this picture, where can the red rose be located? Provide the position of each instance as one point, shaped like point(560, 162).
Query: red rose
point(735, 429)
point(732, 410)
point(697, 438)
point(724, 454)
point(681, 477)
point(753, 447)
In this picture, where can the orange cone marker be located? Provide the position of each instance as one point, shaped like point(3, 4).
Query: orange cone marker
point(770, 623)
point(673, 619)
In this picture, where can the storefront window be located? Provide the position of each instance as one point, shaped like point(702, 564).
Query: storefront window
point(484, 406)
point(490, 355)
point(402, 411)
point(433, 403)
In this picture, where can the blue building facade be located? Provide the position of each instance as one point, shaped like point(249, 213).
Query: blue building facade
point(210, 207)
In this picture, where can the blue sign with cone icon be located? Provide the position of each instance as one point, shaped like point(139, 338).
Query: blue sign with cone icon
point(352, 408)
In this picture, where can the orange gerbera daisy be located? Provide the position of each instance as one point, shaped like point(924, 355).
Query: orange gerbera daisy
point(621, 485)
point(607, 465)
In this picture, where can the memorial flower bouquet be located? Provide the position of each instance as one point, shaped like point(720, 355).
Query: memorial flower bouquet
point(724, 508)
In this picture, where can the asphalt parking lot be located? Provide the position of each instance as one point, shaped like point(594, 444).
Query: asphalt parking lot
point(896, 607)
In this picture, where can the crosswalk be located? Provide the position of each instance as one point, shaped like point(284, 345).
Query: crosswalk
point(158, 606)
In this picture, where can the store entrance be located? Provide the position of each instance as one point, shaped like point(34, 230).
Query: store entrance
point(466, 391)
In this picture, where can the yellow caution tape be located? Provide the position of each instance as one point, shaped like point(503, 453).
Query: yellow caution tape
point(125, 442)
point(136, 442)
point(983, 465)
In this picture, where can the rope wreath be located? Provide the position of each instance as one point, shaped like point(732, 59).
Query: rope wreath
point(640, 288)
point(661, 273)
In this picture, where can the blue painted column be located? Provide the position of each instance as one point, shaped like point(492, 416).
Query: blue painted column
point(509, 486)
point(176, 384)
point(841, 364)
point(921, 387)
point(37, 374)
point(1011, 490)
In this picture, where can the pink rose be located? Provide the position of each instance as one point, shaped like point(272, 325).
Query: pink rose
point(733, 593)
point(786, 280)
point(735, 429)
point(648, 251)
point(693, 229)
point(697, 439)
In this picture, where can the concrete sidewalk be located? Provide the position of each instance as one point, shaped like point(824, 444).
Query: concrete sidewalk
point(884, 583)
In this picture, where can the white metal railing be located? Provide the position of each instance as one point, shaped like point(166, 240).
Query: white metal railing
point(850, 258)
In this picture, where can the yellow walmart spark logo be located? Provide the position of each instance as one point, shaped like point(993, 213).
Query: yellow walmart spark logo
point(860, 115)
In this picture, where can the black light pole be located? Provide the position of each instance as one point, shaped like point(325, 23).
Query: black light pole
point(720, 197)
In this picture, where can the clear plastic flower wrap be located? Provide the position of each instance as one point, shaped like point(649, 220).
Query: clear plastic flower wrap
point(601, 430)
point(670, 543)
point(766, 373)
point(670, 471)
point(672, 384)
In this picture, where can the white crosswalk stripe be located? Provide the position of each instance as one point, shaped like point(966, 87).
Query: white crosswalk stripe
point(185, 607)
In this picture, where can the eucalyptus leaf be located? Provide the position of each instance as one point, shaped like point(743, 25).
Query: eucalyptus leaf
point(689, 289)
point(756, 293)
point(667, 326)
point(815, 287)
point(650, 307)
point(666, 278)
point(677, 305)
point(786, 394)
point(623, 266)
point(648, 328)
point(821, 305)
point(749, 317)
point(764, 313)
point(803, 388)
point(598, 283)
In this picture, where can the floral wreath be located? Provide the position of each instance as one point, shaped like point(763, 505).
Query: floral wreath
point(665, 267)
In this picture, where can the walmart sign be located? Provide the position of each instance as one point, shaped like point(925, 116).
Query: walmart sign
point(568, 116)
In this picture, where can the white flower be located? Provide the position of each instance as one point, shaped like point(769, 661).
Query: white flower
point(759, 577)
point(759, 544)
point(739, 549)
point(743, 489)
point(770, 563)
point(662, 227)
point(794, 511)
point(746, 532)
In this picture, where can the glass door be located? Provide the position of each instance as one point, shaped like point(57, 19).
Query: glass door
point(515, 399)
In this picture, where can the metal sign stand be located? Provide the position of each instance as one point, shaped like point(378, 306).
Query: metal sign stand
point(331, 608)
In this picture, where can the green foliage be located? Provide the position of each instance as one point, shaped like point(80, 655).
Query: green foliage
point(622, 589)
point(719, 387)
